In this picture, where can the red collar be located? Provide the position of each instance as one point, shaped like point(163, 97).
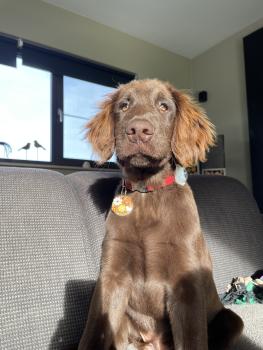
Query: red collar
point(141, 187)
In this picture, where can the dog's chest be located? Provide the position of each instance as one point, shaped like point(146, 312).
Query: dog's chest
point(149, 210)
point(157, 211)
point(150, 241)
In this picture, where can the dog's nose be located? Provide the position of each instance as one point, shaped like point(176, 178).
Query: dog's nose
point(139, 131)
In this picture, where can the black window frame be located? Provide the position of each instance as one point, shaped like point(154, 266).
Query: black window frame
point(59, 64)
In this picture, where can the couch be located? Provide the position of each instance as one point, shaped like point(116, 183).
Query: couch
point(51, 230)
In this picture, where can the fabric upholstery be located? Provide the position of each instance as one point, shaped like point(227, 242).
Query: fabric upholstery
point(252, 315)
point(232, 226)
point(51, 230)
point(95, 191)
point(44, 265)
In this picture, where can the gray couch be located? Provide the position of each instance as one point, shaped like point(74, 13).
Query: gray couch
point(51, 229)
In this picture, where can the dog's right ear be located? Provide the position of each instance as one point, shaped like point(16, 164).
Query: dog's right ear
point(101, 130)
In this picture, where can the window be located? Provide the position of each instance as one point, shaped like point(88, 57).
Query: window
point(46, 98)
point(25, 113)
point(81, 100)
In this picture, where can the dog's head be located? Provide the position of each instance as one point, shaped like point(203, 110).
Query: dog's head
point(148, 122)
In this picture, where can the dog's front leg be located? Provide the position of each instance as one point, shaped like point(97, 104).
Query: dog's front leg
point(187, 314)
point(107, 309)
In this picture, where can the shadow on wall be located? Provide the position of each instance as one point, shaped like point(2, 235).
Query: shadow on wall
point(76, 304)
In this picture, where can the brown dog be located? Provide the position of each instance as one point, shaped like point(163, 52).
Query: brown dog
point(155, 289)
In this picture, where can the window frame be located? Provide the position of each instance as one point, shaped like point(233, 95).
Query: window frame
point(59, 64)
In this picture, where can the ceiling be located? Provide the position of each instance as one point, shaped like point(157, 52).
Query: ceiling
point(185, 27)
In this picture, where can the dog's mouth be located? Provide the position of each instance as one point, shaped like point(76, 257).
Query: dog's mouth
point(140, 160)
point(141, 155)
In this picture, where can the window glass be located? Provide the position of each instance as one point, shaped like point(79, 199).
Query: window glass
point(25, 113)
point(46, 99)
point(81, 101)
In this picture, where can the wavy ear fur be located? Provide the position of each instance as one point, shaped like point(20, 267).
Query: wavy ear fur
point(101, 131)
point(193, 132)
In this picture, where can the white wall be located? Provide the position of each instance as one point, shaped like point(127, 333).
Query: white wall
point(221, 72)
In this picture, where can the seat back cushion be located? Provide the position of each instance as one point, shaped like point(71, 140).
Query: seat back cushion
point(46, 271)
point(232, 226)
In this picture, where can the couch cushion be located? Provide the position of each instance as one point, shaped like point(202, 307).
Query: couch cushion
point(252, 316)
point(51, 229)
point(46, 272)
point(232, 226)
point(95, 190)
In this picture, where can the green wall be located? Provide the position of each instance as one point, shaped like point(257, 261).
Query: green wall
point(57, 28)
point(221, 72)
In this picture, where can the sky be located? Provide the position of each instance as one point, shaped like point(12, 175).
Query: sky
point(81, 99)
point(25, 113)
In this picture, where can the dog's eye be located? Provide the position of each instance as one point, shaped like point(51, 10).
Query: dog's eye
point(163, 106)
point(124, 106)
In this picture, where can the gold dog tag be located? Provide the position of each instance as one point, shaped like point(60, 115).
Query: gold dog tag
point(122, 205)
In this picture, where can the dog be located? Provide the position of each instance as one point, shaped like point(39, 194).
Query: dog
point(155, 289)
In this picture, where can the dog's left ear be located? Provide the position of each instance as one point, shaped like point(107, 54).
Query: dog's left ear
point(193, 132)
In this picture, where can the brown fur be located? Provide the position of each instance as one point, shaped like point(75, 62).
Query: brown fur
point(193, 132)
point(101, 129)
point(156, 288)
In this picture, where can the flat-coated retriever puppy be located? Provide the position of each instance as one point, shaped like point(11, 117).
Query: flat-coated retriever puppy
point(156, 287)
